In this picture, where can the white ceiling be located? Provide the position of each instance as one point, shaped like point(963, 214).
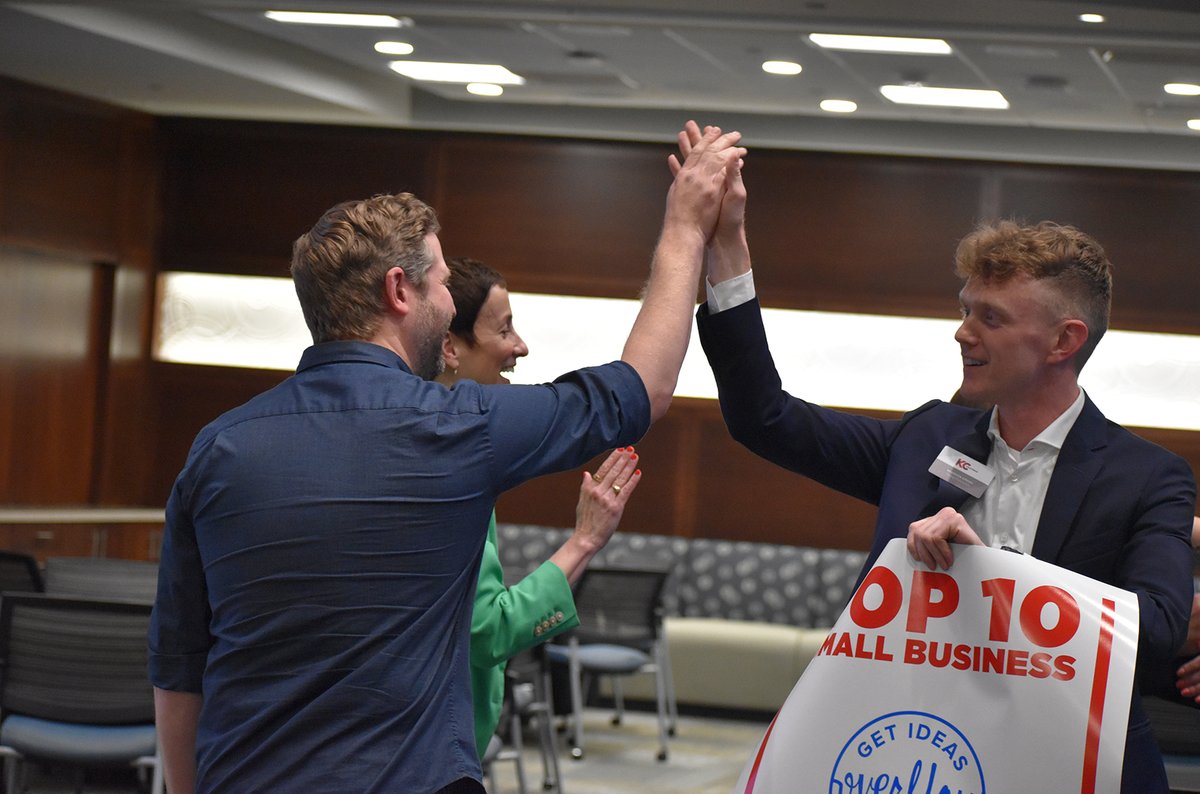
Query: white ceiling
point(1079, 93)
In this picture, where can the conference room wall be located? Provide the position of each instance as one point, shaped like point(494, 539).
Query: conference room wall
point(124, 195)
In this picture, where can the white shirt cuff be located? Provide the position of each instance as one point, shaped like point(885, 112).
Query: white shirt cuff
point(729, 293)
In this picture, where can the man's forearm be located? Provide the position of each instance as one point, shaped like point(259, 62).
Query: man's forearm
point(659, 338)
point(176, 717)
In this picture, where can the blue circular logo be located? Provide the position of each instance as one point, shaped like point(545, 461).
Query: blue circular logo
point(907, 751)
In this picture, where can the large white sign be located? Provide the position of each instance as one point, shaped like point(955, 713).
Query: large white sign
point(1003, 674)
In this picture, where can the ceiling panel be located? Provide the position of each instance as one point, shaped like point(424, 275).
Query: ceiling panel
point(635, 69)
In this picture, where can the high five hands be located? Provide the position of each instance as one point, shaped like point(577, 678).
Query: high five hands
point(708, 186)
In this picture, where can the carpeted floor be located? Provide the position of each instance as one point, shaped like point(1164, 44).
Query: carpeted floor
point(706, 756)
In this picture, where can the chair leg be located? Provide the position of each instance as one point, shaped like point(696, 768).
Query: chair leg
point(551, 775)
point(660, 697)
point(672, 706)
point(518, 747)
point(576, 700)
point(12, 771)
point(618, 700)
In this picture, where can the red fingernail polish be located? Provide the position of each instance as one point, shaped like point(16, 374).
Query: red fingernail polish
point(634, 457)
point(638, 472)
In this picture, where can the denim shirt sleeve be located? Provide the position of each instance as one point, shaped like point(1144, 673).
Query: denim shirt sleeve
point(553, 427)
point(179, 636)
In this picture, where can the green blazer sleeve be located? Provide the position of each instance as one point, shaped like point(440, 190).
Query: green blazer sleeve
point(506, 621)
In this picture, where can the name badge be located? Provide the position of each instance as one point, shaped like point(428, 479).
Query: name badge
point(962, 471)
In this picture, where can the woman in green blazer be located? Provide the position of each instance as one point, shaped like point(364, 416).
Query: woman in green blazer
point(482, 345)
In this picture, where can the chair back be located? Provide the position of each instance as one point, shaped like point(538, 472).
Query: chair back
point(19, 573)
point(74, 660)
point(620, 605)
point(102, 577)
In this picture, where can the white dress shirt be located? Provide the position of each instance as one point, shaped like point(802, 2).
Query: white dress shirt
point(1007, 514)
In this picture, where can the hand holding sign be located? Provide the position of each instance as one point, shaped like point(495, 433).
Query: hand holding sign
point(929, 539)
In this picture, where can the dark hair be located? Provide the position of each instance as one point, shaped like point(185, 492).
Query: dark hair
point(1071, 260)
point(469, 284)
point(338, 266)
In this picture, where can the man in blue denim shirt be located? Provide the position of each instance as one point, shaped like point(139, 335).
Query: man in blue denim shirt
point(323, 540)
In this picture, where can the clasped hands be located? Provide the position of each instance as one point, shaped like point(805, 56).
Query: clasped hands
point(708, 190)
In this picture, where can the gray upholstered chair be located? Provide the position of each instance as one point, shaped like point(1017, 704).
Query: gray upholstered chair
point(620, 633)
point(73, 687)
point(102, 577)
point(19, 573)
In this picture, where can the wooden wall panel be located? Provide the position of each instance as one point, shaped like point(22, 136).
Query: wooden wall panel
point(59, 167)
point(846, 233)
point(48, 378)
point(78, 210)
point(574, 218)
point(1146, 221)
point(236, 196)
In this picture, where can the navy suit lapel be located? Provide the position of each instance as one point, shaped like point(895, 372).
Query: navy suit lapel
point(974, 444)
point(1078, 464)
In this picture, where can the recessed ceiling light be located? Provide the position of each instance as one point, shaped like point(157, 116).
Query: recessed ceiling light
point(1182, 89)
point(351, 20)
point(436, 72)
point(485, 89)
point(912, 46)
point(782, 67)
point(838, 106)
point(1094, 19)
point(394, 47)
point(1194, 124)
point(985, 99)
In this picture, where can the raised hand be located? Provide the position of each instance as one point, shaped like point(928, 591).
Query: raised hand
point(702, 177)
point(602, 500)
point(728, 253)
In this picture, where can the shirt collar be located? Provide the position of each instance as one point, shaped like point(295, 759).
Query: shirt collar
point(350, 351)
point(1055, 434)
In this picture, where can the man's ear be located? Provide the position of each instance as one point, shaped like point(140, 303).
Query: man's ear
point(398, 291)
point(1072, 335)
point(450, 351)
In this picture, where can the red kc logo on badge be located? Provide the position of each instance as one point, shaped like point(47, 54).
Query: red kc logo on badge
point(962, 464)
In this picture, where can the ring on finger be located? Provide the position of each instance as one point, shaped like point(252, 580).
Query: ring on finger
point(616, 489)
point(596, 477)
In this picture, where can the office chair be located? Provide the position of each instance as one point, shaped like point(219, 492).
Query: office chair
point(73, 686)
point(19, 573)
point(526, 698)
point(620, 633)
point(102, 577)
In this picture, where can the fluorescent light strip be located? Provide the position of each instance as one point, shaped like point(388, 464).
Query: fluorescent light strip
point(485, 89)
point(1182, 89)
point(847, 360)
point(393, 48)
point(984, 99)
point(344, 20)
point(786, 68)
point(838, 105)
point(891, 44)
point(437, 72)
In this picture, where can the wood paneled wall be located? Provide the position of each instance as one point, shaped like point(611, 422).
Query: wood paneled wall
point(78, 210)
point(829, 231)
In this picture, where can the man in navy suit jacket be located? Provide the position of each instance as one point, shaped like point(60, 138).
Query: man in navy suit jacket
point(1072, 488)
